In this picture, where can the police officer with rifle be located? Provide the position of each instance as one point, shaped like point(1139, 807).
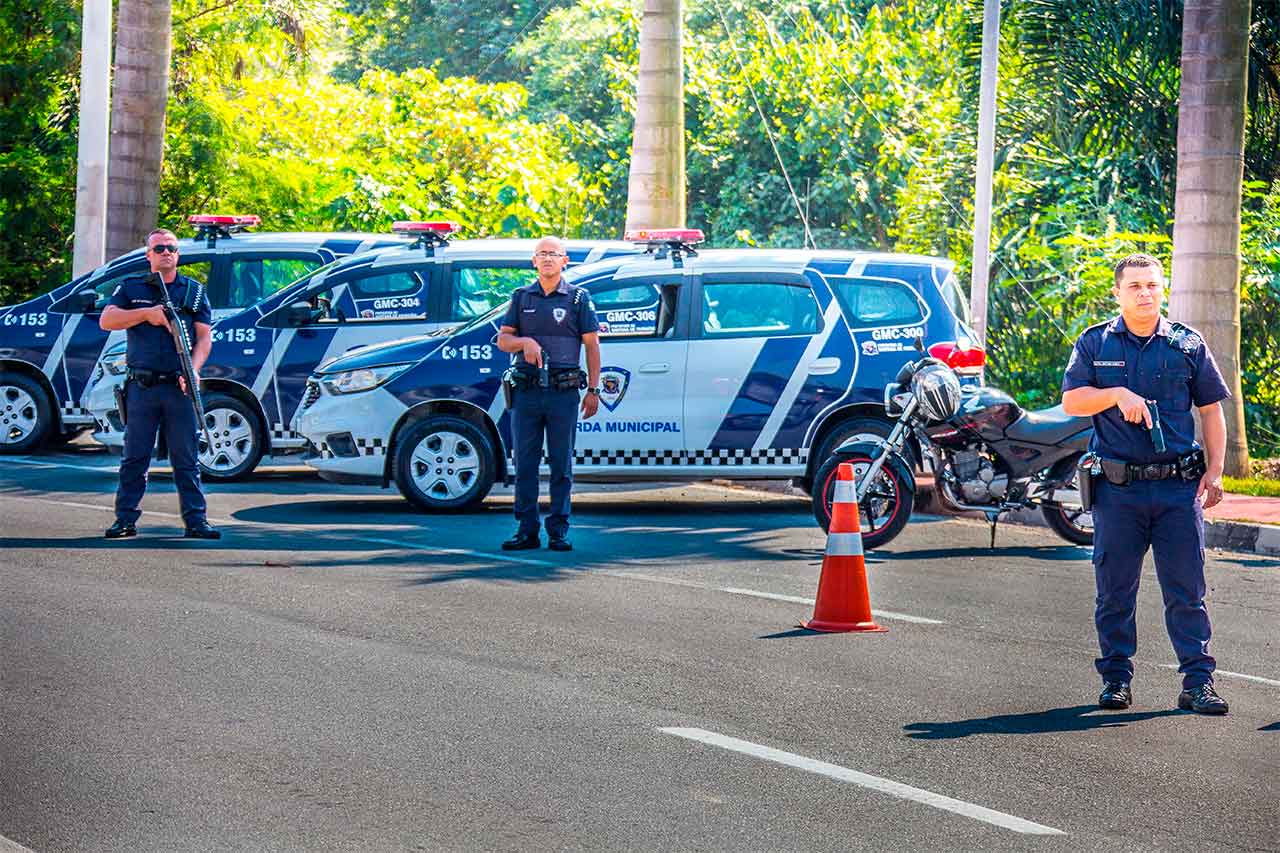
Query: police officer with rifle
point(167, 317)
point(546, 327)
point(1138, 376)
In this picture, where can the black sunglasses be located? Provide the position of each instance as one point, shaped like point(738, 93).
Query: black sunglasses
point(161, 248)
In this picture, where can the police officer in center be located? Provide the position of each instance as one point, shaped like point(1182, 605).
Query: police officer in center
point(1145, 497)
point(546, 327)
point(155, 393)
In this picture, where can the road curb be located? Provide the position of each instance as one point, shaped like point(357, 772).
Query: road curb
point(1243, 536)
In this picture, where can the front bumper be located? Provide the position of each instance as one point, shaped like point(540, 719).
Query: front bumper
point(101, 402)
point(349, 433)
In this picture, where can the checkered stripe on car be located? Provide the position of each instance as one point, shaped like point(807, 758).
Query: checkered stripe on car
point(76, 410)
point(745, 456)
point(717, 456)
point(371, 447)
point(281, 432)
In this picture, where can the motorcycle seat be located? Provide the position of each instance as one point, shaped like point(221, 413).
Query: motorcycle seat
point(1046, 426)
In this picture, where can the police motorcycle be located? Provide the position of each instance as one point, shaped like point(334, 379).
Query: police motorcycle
point(988, 455)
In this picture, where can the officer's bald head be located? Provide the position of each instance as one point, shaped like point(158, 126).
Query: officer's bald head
point(549, 259)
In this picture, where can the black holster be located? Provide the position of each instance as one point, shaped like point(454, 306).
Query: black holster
point(1087, 471)
point(121, 393)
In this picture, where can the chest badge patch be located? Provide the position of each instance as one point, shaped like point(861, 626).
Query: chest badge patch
point(559, 314)
point(613, 386)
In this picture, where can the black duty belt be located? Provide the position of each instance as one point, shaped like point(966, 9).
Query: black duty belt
point(147, 378)
point(558, 379)
point(1188, 467)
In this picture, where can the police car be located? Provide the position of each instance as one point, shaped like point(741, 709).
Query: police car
point(51, 345)
point(256, 374)
point(737, 363)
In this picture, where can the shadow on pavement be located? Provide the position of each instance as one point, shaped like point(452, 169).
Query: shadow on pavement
point(1274, 727)
point(1076, 718)
point(1047, 552)
point(795, 632)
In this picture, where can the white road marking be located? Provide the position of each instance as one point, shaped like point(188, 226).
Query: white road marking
point(43, 463)
point(8, 845)
point(752, 593)
point(1255, 678)
point(865, 780)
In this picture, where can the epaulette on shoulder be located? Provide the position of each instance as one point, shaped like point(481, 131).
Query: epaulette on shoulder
point(1184, 338)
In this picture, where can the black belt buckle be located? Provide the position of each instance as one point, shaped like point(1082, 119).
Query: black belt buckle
point(1151, 472)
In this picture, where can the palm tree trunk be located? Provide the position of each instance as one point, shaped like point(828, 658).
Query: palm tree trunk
point(655, 191)
point(1206, 229)
point(139, 96)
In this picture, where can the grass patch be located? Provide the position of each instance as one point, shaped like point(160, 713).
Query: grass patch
point(1256, 486)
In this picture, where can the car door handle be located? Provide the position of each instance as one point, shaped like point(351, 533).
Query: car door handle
point(655, 367)
point(824, 366)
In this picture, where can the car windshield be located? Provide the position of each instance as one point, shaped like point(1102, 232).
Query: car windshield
point(305, 277)
point(487, 317)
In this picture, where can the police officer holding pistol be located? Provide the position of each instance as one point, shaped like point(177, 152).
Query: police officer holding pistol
point(546, 327)
point(155, 393)
point(1138, 376)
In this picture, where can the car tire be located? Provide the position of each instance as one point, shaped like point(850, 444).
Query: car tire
point(444, 464)
point(239, 440)
point(26, 413)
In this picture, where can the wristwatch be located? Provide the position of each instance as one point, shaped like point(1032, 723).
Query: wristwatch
point(595, 391)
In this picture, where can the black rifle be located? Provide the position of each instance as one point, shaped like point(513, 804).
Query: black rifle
point(182, 342)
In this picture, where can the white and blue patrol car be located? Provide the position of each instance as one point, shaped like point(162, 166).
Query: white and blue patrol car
point(50, 346)
point(256, 374)
point(725, 363)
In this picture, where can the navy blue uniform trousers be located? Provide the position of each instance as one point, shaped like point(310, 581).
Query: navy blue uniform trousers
point(1165, 516)
point(149, 409)
point(538, 413)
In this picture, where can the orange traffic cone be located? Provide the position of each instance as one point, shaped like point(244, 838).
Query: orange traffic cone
point(843, 603)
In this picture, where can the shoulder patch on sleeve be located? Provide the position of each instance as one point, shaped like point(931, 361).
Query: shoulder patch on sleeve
point(1185, 338)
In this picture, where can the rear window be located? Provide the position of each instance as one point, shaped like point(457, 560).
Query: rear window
point(758, 310)
point(954, 296)
point(868, 301)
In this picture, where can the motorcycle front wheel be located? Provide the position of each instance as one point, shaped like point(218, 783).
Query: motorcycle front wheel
point(887, 505)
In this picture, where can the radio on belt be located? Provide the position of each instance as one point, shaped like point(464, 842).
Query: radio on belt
point(211, 226)
point(429, 234)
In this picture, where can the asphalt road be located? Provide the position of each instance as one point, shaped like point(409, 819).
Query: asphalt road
point(343, 673)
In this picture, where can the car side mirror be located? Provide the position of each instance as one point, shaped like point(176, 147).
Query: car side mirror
point(81, 302)
point(300, 314)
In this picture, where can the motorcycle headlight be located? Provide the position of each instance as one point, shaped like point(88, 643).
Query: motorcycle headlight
point(361, 379)
point(113, 360)
point(938, 391)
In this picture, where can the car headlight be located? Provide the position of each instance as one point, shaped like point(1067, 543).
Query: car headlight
point(114, 360)
point(362, 379)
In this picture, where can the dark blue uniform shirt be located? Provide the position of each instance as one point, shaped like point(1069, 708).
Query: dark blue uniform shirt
point(557, 321)
point(1174, 367)
point(151, 347)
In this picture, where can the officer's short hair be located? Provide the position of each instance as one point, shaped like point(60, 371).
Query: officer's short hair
point(164, 231)
point(1138, 259)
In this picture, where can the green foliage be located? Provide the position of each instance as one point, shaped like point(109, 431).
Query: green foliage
point(319, 154)
point(39, 72)
point(457, 38)
point(1252, 486)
